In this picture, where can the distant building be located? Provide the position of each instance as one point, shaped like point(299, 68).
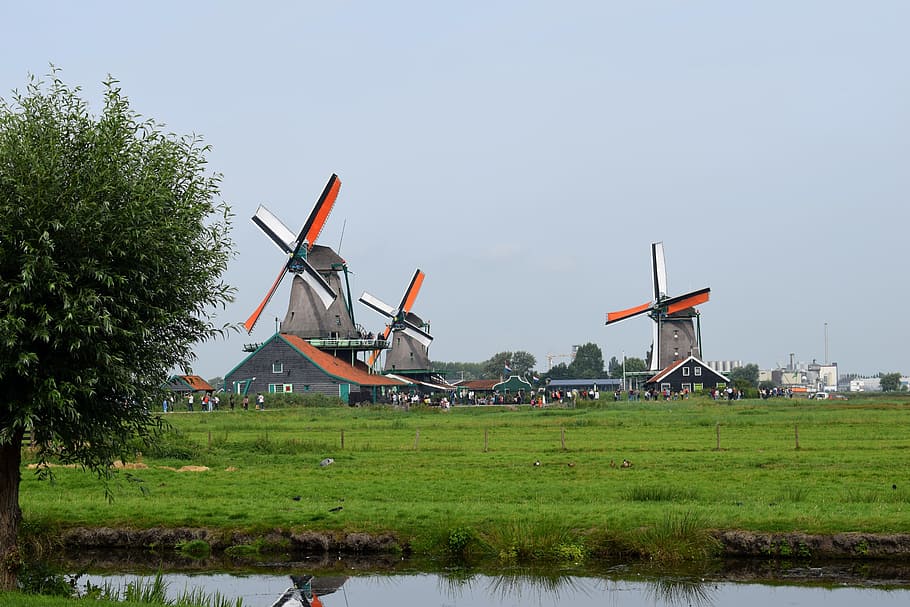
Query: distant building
point(597, 385)
point(866, 384)
point(688, 375)
point(724, 366)
point(289, 364)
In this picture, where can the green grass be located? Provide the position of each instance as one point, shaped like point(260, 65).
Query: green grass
point(425, 474)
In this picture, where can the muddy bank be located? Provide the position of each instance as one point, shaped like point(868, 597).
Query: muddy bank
point(801, 545)
point(736, 544)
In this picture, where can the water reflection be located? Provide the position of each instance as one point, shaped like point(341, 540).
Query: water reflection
point(513, 588)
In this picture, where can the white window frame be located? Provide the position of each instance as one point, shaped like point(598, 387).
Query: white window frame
point(277, 367)
point(686, 371)
point(698, 371)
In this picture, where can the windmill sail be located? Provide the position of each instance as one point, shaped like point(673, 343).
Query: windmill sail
point(297, 263)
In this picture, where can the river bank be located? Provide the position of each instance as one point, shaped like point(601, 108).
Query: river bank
point(732, 544)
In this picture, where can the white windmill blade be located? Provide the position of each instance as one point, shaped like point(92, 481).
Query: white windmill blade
point(274, 229)
point(658, 270)
point(377, 304)
point(415, 332)
point(316, 282)
point(655, 347)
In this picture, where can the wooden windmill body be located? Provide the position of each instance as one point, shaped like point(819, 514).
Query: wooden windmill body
point(675, 327)
point(405, 331)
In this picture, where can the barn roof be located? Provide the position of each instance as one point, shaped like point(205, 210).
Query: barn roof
point(477, 384)
point(335, 366)
point(189, 383)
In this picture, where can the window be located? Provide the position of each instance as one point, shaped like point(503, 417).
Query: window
point(687, 387)
point(686, 371)
point(721, 385)
point(698, 371)
point(277, 367)
point(699, 387)
point(664, 387)
point(287, 388)
point(279, 388)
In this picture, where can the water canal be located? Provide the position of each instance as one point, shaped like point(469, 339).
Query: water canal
point(742, 585)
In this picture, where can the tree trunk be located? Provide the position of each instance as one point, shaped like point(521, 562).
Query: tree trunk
point(10, 514)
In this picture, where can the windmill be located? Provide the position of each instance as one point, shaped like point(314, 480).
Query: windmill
point(410, 340)
point(315, 309)
point(676, 330)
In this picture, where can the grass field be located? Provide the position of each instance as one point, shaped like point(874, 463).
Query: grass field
point(444, 481)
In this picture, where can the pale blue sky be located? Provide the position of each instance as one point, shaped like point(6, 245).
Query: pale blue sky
point(526, 154)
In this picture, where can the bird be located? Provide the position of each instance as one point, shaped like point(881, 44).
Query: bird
point(336, 509)
point(296, 498)
point(326, 462)
point(537, 462)
point(571, 464)
point(626, 464)
point(612, 464)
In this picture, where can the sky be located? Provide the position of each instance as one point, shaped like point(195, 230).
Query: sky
point(526, 154)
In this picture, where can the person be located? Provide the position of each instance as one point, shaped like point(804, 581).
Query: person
point(260, 401)
point(164, 405)
point(231, 401)
point(246, 402)
point(189, 402)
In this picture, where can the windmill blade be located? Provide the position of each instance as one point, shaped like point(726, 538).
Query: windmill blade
point(415, 332)
point(624, 314)
point(410, 295)
point(375, 354)
point(254, 317)
point(274, 229)
point(316, 221)
point(377, 304)
point(316, 282)
point(658, 270)
point(653, 364)
point(681, 302)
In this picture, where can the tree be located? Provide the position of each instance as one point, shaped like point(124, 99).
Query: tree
point(519, 362)
point(890, 382)
point(634, 365)
point(588, 362)
point(113, 240)
point(745, 376)
point(559, 371)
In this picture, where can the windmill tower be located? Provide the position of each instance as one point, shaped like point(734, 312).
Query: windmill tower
point(409, 340)
point(676, 330)
point(317, 308)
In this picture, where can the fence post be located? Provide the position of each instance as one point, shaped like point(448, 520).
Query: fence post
point(562, 438)
point(717, 431)
point(796, 434)
point(342, 438)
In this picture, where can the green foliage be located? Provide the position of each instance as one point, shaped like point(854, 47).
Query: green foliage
point(745, 376)
point(588, 362)
point(520, 362)
point(457, 371)
point(40, 578)
point(197, 549)
point(890, 382)
point(634, 365)
point(112, 244)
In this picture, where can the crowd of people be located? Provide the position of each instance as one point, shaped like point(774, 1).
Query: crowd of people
point(211, 401)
